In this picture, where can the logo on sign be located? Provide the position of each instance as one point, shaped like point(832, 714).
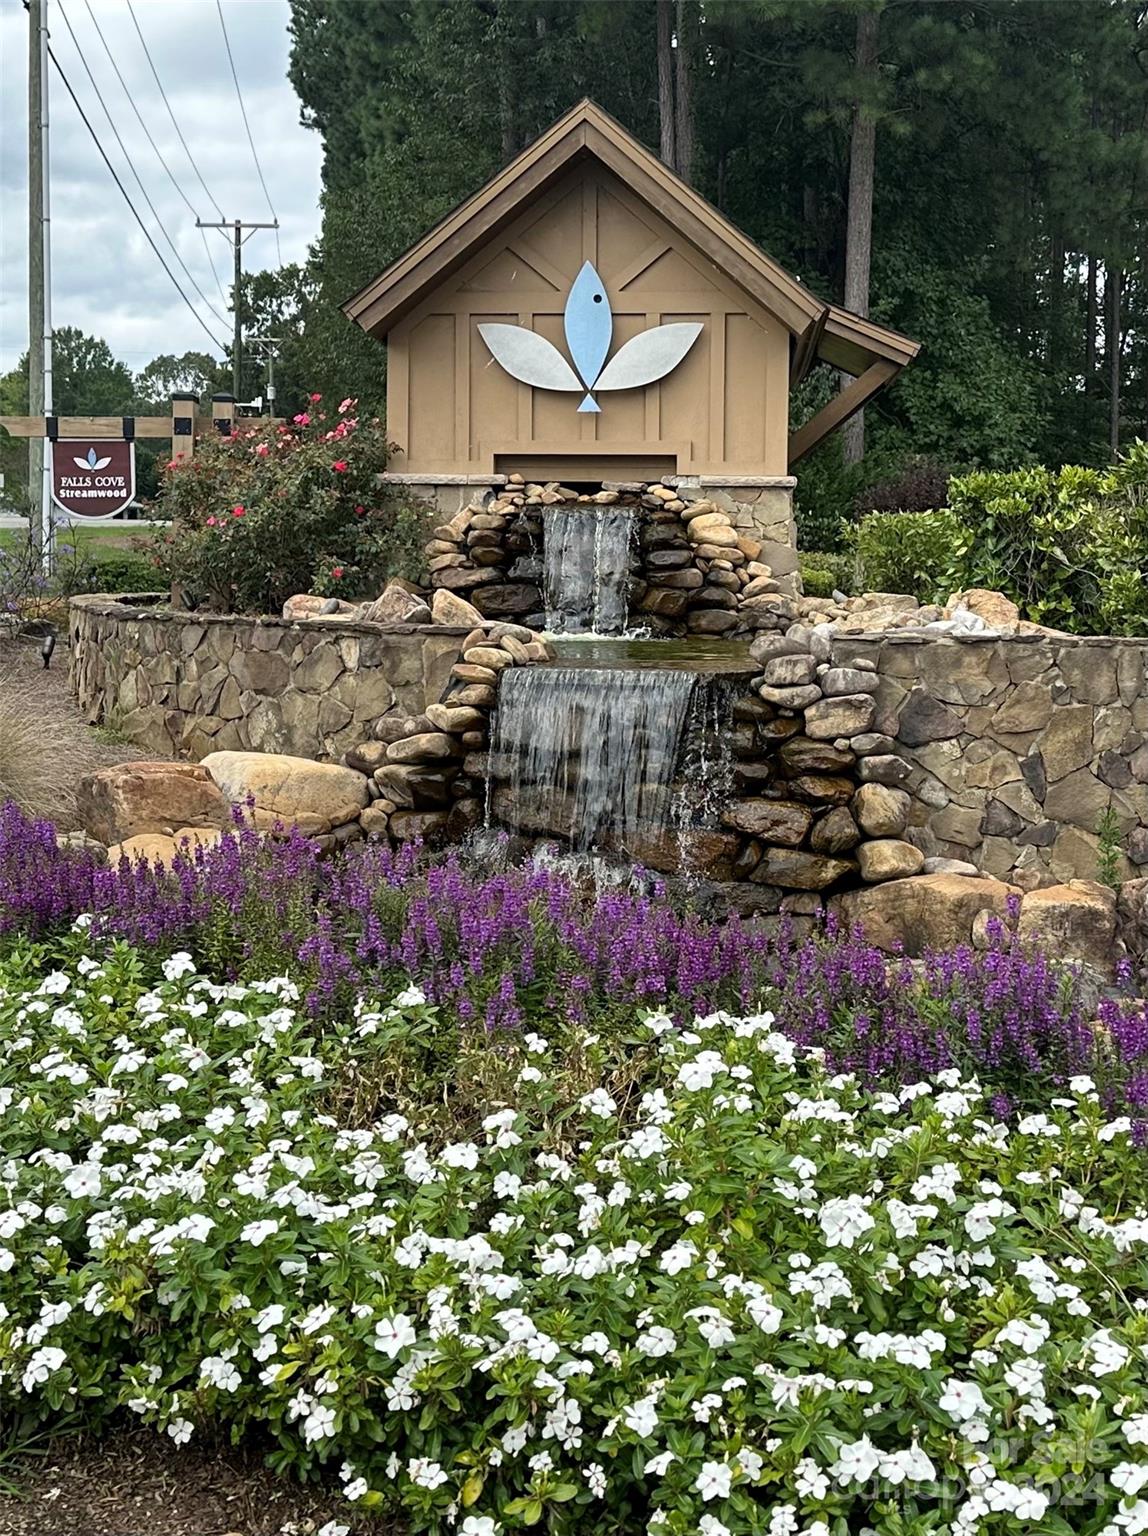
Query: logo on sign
point(589, 329)
point(93, 479)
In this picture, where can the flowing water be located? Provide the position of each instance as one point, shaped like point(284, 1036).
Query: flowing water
point(615, 752)
point(590, 753)
point(586, 568)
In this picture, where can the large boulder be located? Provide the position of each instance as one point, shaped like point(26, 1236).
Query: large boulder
point(158, 848)
point(449, 608)
point(923, 911)
point(293, 790)
point(140, 797)
point(1076, 921)
point(397, 604)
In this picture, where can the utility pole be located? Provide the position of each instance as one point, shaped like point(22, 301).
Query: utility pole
point(39, 280)
point(235, 228)
point(266, 346)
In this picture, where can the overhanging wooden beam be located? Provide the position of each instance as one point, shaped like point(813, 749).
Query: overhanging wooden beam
point(843, 405)
point(805, 347)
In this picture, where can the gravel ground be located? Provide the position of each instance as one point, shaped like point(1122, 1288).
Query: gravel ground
point(137, 1484)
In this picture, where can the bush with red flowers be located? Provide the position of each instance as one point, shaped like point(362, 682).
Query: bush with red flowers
point(284, 508)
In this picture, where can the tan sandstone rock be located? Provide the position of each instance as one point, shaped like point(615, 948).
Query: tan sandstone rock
point(998, 611)
point(888, 858)
point(449, 608)
point(306, 605)
point(145, 797)
point(881, 811)
point(293, 790)
point(396, 604)
point(158, 848)
point(924, 911)
point(1076, 921)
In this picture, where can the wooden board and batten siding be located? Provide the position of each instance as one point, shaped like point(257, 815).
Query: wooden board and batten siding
point(723, 409)
point(586, 190)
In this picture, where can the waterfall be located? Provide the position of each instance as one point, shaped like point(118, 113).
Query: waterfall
point(590, 753)
point(586, 568)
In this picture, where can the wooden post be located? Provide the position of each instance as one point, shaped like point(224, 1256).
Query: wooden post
point(183, 425)
point(223, 409)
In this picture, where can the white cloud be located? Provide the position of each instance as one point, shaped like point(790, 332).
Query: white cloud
point(105, 278)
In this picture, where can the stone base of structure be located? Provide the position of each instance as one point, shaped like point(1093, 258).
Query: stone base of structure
point(759, 505)
point(446, 494)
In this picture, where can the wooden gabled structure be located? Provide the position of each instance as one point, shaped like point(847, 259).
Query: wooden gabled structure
point(586, 189)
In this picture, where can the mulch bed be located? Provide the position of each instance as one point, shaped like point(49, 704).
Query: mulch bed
point(135, 1483)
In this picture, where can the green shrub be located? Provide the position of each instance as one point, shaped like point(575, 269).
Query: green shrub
point(746, 1296)
point(822, 573)
point(1031, 534)
point(918, 552)
point(1069, 546)
point(117, 572)
point(278, 510)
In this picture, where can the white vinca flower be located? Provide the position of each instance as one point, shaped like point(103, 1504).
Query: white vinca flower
point(844, 1221)
point(714, 1481)
point(394, 1333)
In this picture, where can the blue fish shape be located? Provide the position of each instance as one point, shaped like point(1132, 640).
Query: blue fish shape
point(589, 327)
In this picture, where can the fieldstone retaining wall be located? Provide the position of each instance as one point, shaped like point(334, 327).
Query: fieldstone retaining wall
point(1015, 747)
point(856, 758)
point(191, 684)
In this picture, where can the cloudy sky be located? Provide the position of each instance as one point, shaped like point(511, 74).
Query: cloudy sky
point(105, 278)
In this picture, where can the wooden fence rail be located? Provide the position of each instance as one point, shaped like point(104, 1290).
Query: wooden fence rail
point(183, 424)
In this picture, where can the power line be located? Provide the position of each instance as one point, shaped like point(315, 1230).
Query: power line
point(170, 113)
point(135, 173)
point(136, 110)
point(219, 346)
point(211, 260)
point(247, 126)
point(158, 152)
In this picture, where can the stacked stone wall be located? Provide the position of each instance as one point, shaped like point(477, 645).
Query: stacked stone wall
point(189, 684)
point(698, 566)
point(856, 758)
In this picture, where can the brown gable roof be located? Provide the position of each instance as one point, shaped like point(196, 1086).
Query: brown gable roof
point(821, 332)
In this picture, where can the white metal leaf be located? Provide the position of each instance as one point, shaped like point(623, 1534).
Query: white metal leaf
point(527, 356)
point(649, 356)
point(102, 463)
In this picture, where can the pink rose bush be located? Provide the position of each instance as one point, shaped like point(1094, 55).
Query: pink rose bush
point(270, 512)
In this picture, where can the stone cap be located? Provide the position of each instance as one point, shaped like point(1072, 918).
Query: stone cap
point(389, 477)
point(147, 605)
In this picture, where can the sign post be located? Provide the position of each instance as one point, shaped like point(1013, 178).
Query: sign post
point(93, 477)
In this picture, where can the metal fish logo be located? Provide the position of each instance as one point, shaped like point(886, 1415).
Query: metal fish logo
point(589, 328)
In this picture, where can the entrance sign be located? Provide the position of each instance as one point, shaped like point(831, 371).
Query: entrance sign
point(93, 477)
point(589, 327)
